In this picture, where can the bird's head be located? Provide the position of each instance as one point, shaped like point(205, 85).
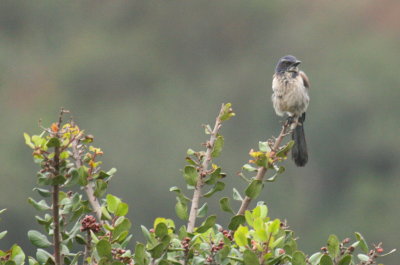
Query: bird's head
point(288, 63)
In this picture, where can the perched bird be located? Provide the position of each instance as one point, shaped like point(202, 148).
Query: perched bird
point(290, 96)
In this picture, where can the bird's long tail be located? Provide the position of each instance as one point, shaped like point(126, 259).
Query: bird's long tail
point(299, 149)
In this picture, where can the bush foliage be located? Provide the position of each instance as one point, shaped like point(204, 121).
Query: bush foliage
point(83, 224)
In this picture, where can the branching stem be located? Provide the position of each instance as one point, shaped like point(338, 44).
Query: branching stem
point(262, 170)
point(203, 172)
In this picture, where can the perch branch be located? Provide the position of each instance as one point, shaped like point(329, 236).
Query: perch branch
point(262, 170)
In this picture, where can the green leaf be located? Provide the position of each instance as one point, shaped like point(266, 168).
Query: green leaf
point(38, 239)
point(214, 176)
point(315, 258)
point(121, 225)
point(100, 188)
point(83, 175)
point(273, 228)
point(218, 145)
point(236, 221)
point(17, 254)
point(254, 189)
point(250, 258)
point(333, 246)
point(283, 152)
point(32, 261)
point(161, 230)
point(249, 168)
point(140, 254)
point(202, 212)
point(363, 244)
point(264, 147)
point(325, 260)
point(181, 196)
point(157, 251)
point(240, 236)
point(3, 234)
point(43, 192)
point(190, 175)
point(225, 205)
point(42, 256)
point(53, 142)
point(298, 258)
point(112, 203)
point(208, 223)
point(105, 214)
point(219, 186)
point(190, 152)
point(122, 209)
point(28, 141)
point(40, 206)
point(236, 195)
point(181, 210)
point(227, 112)
point(346, 260)
point(363, 257)
point(58, 180)
point(103, 248)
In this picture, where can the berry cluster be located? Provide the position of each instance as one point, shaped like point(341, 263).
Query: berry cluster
point(89, 223)
point(185, 244)
point(227, 234)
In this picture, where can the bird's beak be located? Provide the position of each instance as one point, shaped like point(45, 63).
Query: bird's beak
point(297, 63)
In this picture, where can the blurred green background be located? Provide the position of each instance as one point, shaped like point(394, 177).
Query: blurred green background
point(142, 76)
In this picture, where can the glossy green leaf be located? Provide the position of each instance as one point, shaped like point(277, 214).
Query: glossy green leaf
point(363, 257)
point(298, 258)
point(250, 258)
point(181, 210)
point(218, 145)
point(3, 234)
point(346, 260)
point(41, 205)
point(28, 141)
point(284, 151)
point(103, 248)
point(214, 176)
point(43, 192)
point(202, 212)
point(58, 180)
point(219, 186)
point(140, 254)
point(100, 188)
point(227, 112)
point(225, 205)
point(240, 236)
point(363, 244)
point(53, 142)
point(121, 225)
point(161, 230)
point(254, 189)
point(236, 221)
point(42, 256)
point(249, 168)
point(38, 239)
point(236, 195)
point(333, 246)
point(83, 175)
point(112, 203)
point(207, 224)
point(274, 227)
point(122, 209)
point(326, 260)
point(264, 146)
point(17, 255)
point(190, 175)
point(157, 251)
point(315, 258)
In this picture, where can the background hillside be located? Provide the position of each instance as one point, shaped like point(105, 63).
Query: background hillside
point(142, 76)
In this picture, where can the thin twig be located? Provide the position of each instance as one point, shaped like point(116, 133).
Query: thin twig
point(89, 187)
point(262, 170)
point(203, 172)
point(88, 246)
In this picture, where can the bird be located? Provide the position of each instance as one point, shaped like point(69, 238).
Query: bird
point(290, 87)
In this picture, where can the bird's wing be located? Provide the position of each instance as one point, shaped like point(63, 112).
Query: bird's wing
point(306, 81)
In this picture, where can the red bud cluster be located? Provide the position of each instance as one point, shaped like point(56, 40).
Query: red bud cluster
point(89, 223)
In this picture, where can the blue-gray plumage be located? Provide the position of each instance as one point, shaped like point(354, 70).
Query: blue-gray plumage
point(290, 96)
